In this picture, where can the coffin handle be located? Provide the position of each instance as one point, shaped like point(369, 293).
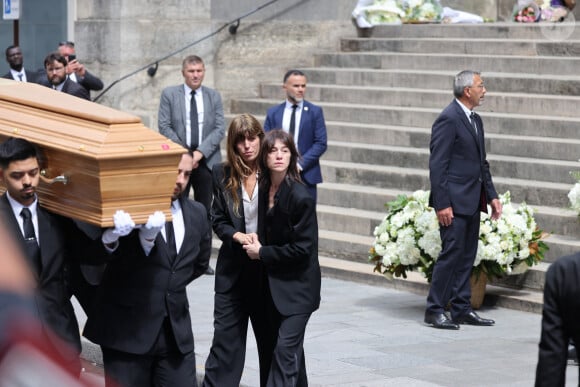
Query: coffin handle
point(58, 179)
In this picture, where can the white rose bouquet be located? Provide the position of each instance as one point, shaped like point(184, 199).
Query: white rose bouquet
point(408, 239)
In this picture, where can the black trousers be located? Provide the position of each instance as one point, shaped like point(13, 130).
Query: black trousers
point(288, 364)
point(163, 366)
point(201, 182)
point(450, 283)
point(249, 299)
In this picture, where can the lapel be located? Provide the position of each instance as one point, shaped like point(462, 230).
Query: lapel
point(9, 219)
point(237, 220)
point(279, 115)
point(45, 235)
point(181, 108)
point(467, 124)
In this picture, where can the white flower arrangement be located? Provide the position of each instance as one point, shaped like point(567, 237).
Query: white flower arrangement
point(574, 194)
point(408, 239)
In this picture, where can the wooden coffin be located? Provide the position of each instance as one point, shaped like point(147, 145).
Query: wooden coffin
point(110, 160)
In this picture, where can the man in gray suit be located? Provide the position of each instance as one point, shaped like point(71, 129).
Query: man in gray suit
point(192, 115)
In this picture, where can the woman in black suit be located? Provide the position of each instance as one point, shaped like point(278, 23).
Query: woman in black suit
point(288, 247)
point(241, 288)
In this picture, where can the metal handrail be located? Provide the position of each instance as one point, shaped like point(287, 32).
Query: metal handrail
point(152, 67)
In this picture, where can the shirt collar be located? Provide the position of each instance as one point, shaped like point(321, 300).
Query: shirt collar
point(465, 109)
point(290, 104)
point(17, 207)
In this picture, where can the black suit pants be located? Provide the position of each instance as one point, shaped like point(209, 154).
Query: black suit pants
point(288, 364)
point(450, 283)
point(163, 366)
point(201, 182)
point(250, 300)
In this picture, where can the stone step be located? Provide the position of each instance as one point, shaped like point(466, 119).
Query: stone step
point(532, 192)
point(400, 156)
point(540, 65)
point(557, 32)
point(525, 299)
point(372, 200)
point(521, 103)
point(499, 144)
point(524, 47)
point(519, 82)
point(502, 123)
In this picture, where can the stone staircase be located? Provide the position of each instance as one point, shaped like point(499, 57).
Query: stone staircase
point(380, 96)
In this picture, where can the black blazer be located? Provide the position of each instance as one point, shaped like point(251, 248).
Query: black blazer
point(70, 87)
point(289, 236)
point(53, 307)
point(31, 76)
point(458, 167)
point(560, 320)
point(137, 291)
point(233, 261)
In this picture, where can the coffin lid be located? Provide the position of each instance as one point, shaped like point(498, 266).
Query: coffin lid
point(111, 149)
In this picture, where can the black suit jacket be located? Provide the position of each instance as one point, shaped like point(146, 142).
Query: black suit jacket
point(70, 87)
point(137, 291)
point(232, 258)
point(289, 236)
point(53, 307)
point(560, 320)
point(458, 167)
point(31, 76)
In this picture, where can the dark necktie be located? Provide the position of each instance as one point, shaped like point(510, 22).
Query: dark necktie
point(32, 248)
point(193, 122)
point(170, 240)
point(472, 120)
point(20, 76)
point(292, 128)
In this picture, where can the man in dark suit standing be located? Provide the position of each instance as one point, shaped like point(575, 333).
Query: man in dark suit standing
point(16, 62)
point(141, 317)
point(560, 317)
point(193, 115)
point(461, 187)
point(39, 234)
point(56, 78)
point(305, 122)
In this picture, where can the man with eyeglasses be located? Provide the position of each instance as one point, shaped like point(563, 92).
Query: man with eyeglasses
point(55, 67)
point(17, 72)
point(461, 187)
point(76, 71)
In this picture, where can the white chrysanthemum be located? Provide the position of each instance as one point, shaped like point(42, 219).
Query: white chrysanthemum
point(421, 196)
point(384, 238)
point(426, 221)
point(430, 242)
point(524, 253)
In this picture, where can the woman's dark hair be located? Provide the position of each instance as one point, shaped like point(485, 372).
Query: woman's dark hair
point(267, 144)
point(242, 127)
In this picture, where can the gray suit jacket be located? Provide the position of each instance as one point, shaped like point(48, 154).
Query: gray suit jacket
point(172, 120)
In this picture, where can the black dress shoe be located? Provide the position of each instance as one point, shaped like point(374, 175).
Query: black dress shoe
point(472, 318)
point(209, 271)
point(439, 321)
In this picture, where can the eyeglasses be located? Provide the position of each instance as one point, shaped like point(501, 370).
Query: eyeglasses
point(66, 43)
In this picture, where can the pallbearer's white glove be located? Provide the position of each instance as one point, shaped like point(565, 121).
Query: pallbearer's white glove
point(154, 224)
point(149, 231)
point(123, 226)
